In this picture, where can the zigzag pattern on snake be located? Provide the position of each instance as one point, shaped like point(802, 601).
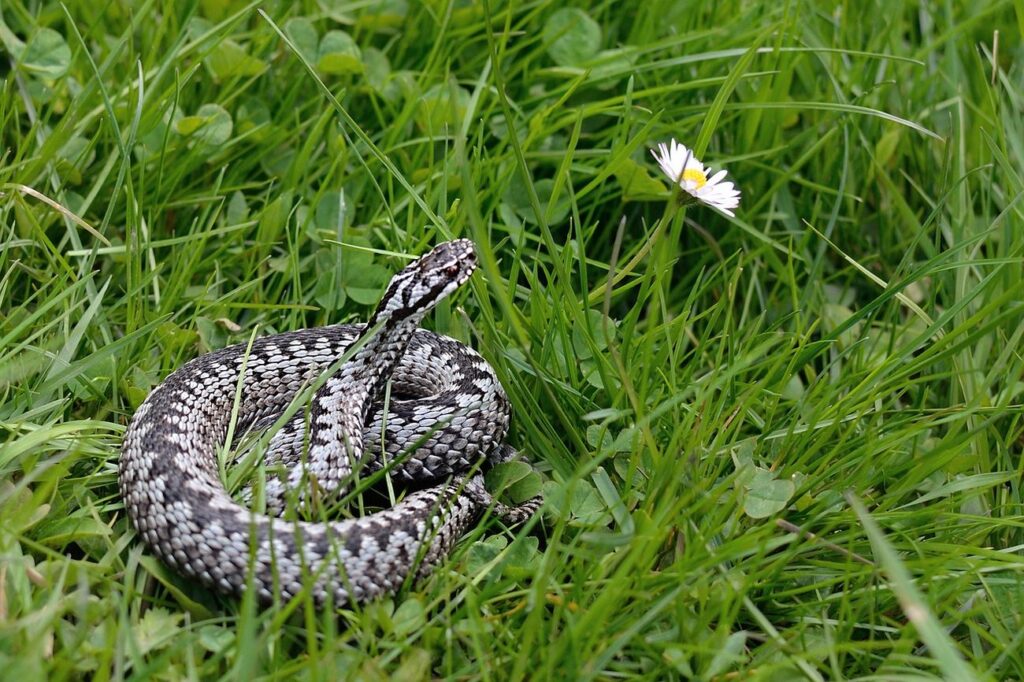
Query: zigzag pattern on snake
point(448, 414)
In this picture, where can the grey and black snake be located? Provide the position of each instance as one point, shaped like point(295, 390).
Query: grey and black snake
point(447, 417)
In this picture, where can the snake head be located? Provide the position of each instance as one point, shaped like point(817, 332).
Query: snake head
point(420, 285)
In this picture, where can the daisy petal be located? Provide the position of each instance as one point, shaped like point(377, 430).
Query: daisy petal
point(717, 177)
point(679, 164)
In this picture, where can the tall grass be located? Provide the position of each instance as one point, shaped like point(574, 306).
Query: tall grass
point(781, 446)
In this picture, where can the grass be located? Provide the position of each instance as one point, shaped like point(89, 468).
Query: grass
point(781, 446)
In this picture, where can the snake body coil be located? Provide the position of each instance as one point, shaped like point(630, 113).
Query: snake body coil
point(448, 413)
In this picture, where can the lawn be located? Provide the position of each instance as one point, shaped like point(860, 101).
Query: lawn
point(780, 445)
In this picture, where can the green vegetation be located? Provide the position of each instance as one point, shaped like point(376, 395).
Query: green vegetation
point(781, 446)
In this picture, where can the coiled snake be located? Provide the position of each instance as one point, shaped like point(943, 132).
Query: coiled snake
point(448, 414)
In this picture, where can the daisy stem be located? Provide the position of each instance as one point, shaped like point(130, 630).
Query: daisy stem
point(661, 265)
point(672, 207)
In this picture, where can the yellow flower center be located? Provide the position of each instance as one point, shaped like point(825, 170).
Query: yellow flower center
point(696, 177)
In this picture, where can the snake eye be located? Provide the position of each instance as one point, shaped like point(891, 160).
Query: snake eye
point(452, 270)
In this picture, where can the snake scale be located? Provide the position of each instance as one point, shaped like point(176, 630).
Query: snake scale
point(447, 416)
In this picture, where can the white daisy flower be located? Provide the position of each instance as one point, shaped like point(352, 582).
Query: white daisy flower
point(685, 170)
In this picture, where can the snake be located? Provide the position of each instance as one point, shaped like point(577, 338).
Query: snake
point(386, 395)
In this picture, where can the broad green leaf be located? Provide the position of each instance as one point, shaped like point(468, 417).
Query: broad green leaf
point(637, 183)
point(483, 552)
point(599, 435)
point(253, 113)
point(13, 43)
point(766, 494)
point(679, 659)
point(887, 145)
point(329, 293)
point(503, 475)
point(16, 506)
point(834, 317)
point(217, 10)
point(521, 556)
point(238, 208)
point(383, 15)
point(415, 666)
point(74, 157)
point(599, 331)
point(217, 129)
point(330, 212)
point(727, 655)
point(365, 281)
point(155, 139)
point(612, 498)
point(524, 489)
point(46, 55)
point(378, 69)
point(437, 112)
point(571, 37)
point(211, 335)
point(211, 125)
point(186, 125)
point(230, 60)
point(303, 34)
point(156, 628)
point(409, 617)
point(198, 28)
point(794, 388)
point(513, 482)
point(338, 54)
point(215, 638)
point(584, 504)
